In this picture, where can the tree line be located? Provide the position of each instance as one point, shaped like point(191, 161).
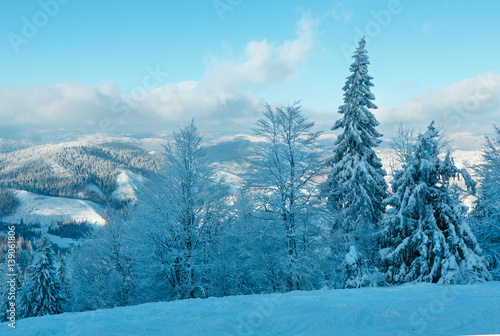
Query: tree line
point(299, 222)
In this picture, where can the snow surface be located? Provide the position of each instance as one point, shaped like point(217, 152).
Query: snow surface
point(63, 242)
point(93, 188)
point(352, 257)
point(127, 185)
point(58, 170)
point(47, 210)
point(410, 309)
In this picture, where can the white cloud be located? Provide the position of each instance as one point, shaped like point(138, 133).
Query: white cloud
point(264, 61)
point(464, 110)
point(62, 104)
point(466, 141)
point(341, 12)
point(470, 105)
point(224, 95)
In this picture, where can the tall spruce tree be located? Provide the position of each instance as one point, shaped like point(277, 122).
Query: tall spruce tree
point(425, 236)
point(356, 186)
point(42, 291)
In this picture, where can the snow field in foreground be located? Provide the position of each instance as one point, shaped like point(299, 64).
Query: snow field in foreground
point(410, 309)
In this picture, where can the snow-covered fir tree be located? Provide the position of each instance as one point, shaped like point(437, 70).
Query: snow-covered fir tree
point(356, 187)
point(426, 236)
point(486, 213)
point(42, 291)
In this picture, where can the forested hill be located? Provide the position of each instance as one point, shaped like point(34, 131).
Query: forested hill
point(103, 169)
point(78, 169)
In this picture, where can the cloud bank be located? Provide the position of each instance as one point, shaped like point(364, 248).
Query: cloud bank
point(470, 105)
point(225, 96)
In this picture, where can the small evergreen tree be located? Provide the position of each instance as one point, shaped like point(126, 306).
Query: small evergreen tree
point(356, 186)
point(62, 275)
point(42, 292)
point(16, 273)
point(425, 236)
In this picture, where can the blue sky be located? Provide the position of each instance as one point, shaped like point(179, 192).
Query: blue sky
point(225, 58)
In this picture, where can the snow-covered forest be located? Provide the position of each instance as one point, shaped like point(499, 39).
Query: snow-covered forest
point(294, 216)
point(177, 223)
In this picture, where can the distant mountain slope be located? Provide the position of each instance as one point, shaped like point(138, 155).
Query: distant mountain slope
point(68, 169)
point(46, 210)
point(110, 169)
point(127, 185)
point(7, 146)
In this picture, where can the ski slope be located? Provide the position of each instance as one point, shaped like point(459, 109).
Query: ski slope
point(410, 309)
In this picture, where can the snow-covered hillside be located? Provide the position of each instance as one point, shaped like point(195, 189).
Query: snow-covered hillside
point(75, 169)
point(47, 210)
point(108, 160)
point(127, 185)
point(411, 309)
